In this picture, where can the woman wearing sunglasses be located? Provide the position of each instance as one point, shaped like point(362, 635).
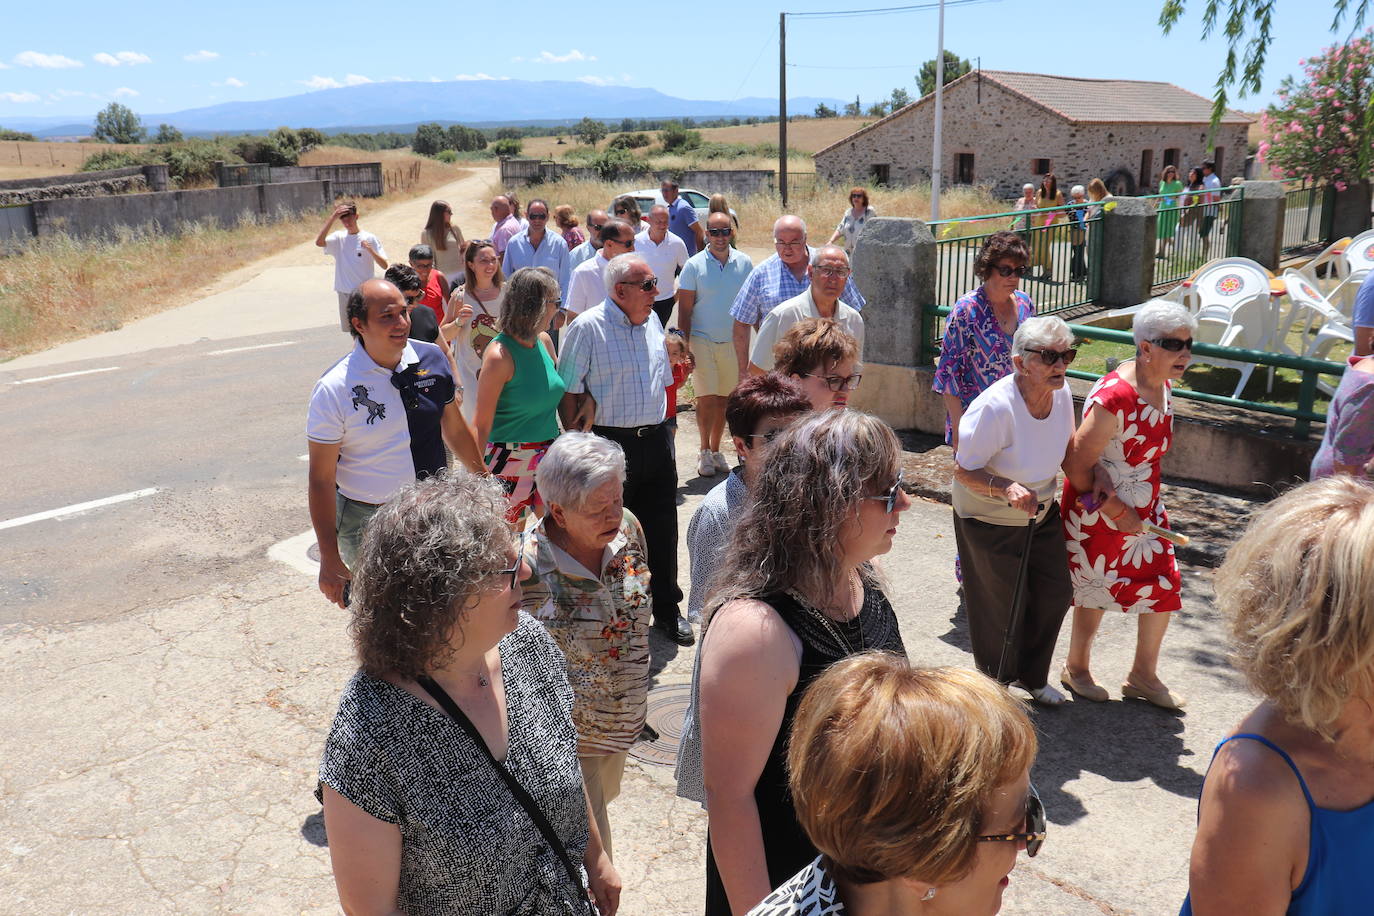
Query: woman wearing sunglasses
point(952, 739)
point(797, 592)
point(1012, 442)
point(1116, 564)
point(1286, 819)
point(461, 703)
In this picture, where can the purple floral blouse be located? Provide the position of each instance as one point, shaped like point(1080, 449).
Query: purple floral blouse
point(1349, 437)
point(975, 353)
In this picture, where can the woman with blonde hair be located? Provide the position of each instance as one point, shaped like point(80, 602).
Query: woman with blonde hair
point(471, 315)
point(1042, 247)
point(951, 738)
point(446, 239)
point(566, 219)
point(797, 592)
point(1286, 819)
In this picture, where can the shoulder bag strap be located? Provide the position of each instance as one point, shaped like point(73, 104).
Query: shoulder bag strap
point(523, 797)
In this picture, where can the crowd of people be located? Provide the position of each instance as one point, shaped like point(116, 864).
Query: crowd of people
point(493, 487)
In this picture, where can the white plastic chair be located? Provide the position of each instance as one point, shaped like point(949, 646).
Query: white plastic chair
point(1316, 307)
point(1333, 259)
point(1355, 264)
point(1243, 324)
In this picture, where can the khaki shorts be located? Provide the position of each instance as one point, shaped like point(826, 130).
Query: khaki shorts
point(717, 369)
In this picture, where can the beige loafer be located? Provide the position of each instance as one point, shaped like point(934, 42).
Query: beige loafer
point(1161, 698)
point(1085, 689)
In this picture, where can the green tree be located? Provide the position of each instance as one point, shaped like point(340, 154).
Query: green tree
point(853, 109)
point(676, 138)
point(508, 133)
point(117, 123)
point(1248, 25)
point(310, 138)
point(166, 133)
point(287, 139)
point(506, 146)
point(825, 111)
point(955, 67)
point(590, 131)
point(16, 135)
point(429, 139)
point(877, 110)
point(900, 99)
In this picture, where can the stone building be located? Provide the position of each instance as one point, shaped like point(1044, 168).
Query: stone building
point(1004, 129)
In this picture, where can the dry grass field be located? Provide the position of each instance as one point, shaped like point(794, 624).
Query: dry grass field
point(20, 159)
point(807, 135)
point(406, 174)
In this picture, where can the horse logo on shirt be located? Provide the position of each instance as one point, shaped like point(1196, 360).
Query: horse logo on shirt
point(375, 411)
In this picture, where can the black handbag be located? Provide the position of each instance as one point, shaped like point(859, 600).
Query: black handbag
point(523, 797)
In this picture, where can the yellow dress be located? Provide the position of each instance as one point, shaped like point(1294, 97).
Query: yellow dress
point(1040, 241)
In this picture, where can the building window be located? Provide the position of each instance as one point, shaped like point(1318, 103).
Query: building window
point(1171, 157)
point(1147, 167)
point(1040, 166)
point(881, 172)
point(963, 168)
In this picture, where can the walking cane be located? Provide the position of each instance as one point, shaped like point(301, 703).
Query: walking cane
point(1018, 597)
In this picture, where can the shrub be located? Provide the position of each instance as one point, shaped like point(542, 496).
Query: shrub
point(194, 160)
point(16, 135)
point(506, 146)
point(447, 155)
point(116, 159)
point(636, 140)
point(265, 150)
point(613, 163)
point(677, 138)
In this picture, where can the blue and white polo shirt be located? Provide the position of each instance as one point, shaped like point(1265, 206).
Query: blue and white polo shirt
point(388, 433)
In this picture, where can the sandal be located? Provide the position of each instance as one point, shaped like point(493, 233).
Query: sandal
point(1088, 690)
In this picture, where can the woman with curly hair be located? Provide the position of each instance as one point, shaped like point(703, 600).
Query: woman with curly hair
point(797, 592)
point(949, 737)
point(461, 701)
point(1286, 819)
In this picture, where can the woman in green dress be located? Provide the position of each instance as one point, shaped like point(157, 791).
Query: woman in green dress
point(1166, 220)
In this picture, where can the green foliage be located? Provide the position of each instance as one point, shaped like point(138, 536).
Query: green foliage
point(637, 140)
point(1322, 128)
point(166, 133)
point(116, 159)
point(310, 138)
point(853, 109)
point(506, 147)
point(955, 67)
point(676, 138)
point(117, 123)
point(429, 139)
point(466, 139)
point(613, 163)
point(16, 135)
point(877, 110)
point(590, 131)
point(386, 139)
point(271, 149)
point(189, 162)
point(509, 133)
point(825, 111)
point(900, 99)
point(447, 155)
point(286, 139)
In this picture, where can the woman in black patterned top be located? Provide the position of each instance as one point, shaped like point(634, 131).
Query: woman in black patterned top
point(930, 825)
point(796, 593)
point(419, 820)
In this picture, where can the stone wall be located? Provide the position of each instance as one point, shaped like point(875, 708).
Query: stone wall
point(1005, 133)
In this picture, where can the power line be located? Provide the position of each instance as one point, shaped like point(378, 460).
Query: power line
point(819, 67)
point(883, 11)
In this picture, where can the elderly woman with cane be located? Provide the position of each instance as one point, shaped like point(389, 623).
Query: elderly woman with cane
point(1012, 440)
point(1120, 555)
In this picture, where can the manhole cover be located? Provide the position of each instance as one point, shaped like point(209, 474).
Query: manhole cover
point(667, 709)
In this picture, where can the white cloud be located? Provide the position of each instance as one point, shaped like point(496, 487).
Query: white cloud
point(597, 80)
point(200, 57)
point(231, 81)
point(354, 79)
point(572, 57)
point(45, 61)
point(73, 94)
point(470, 77)
point(320, 82)
point(122, 58)
point(124, 91)
point(19, 98)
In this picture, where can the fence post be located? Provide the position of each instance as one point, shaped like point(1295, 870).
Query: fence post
point(1350, 211)
point(1328, 192)
point(1128, 252)
point(894, 267)
point(1307, 395)
point(1262, 207)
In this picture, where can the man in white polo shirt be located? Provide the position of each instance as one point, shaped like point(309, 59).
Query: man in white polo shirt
point(378, 420)
point(587, 287)
point(666, 254)
point(354, 253)
point(828, 273)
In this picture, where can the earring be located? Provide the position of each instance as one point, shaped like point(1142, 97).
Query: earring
point(929, 895)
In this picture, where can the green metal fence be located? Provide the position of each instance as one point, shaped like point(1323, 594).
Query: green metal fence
point(1190, 231)
point(1302, 416)
point(1306, 217)
point(1065, 244)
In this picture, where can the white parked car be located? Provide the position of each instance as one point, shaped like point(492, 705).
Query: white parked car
point(650, 197)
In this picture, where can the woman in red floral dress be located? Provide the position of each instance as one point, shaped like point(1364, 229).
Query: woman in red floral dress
point(1115, 564)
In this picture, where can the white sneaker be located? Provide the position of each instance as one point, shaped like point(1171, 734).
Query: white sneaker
point(1045, 696)
point(722, 465)
point(706, 465)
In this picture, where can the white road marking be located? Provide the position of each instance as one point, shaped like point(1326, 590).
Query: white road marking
point(68, 511)
point(284, 343)
point(49, 378)
point(293, 552)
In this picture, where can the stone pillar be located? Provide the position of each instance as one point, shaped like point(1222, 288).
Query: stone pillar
point(1261, 227)
point(156, 176)
point(1128, 252)
point(1350, 212)
point(894, 267)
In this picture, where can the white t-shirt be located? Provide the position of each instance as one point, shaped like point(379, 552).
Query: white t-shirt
point(352, 264)
point(587, 286)
point(664, 259)
point(998, 434)
point(779, 321)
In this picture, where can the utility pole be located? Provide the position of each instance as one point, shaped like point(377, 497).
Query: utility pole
point(782, 107)
point(939, 117)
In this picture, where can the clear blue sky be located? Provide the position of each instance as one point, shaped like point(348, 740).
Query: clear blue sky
point(164, 58)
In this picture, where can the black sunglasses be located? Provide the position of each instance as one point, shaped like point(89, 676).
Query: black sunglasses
point(837, 382)
point(1173, 344)
point(1050, 357)
point(1004, 271)
point(1034, 837)
point(536, 216)
point(514, 571)
point(720, 231)
point(594, 227)
point(890, 497)
point(404, 382)
point(651, 283)
point(767, 437)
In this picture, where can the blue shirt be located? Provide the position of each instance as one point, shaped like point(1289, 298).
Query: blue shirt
point(772, 283)
point(551, 253)
point(716, 285)
point(581, 253)
point(623, 366)
point(1364, 303)
point(681, 218)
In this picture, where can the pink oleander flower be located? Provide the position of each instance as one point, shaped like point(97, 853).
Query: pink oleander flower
point(1320, 129)
point(1294, 128)
point(1341, 186)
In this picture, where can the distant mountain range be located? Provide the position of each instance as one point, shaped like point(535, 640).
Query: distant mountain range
point(399, 105)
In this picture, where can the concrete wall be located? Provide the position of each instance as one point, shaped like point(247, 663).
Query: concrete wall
point(1005, 133)
point(52, 181)
point(16, 225)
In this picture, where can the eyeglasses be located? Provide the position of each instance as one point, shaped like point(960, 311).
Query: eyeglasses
point(1173, 344)
point(514, 571)
point(554, 302)
point(646, 286)
point(767, 437)
point(593, 227)
point(889, 499)
point(837, 382)
point(536, 215)
point(621, 211)
point(1004, 271)
point(1034, 838)
point(719, 231)
point(781, 244)
point(834, 273)
point(856, 197)
point(622, 243)
point(1050, 357)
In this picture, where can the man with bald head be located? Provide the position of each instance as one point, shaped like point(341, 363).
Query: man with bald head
point(829, 271)
point(378, 419)
point(666, 255)
point(783, 275)
point(506, 226)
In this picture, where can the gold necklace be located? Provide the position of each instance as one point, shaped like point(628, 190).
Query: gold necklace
point(831, 626)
